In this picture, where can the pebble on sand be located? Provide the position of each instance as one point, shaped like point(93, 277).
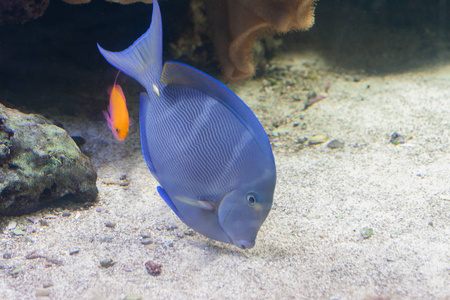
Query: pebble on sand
point(366, 232)
point(317, 139)
point(107, 262)
point(110, 224)
point(335, 144)
point(153, 268)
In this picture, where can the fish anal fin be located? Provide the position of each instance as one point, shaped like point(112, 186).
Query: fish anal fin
point(108, 118)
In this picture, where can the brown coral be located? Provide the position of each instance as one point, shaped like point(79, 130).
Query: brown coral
point(237, 23)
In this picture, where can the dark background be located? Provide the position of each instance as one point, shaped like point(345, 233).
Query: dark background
point(51, 65)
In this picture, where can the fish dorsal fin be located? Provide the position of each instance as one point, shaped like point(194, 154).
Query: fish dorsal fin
point(183, 75)
point(110, 88)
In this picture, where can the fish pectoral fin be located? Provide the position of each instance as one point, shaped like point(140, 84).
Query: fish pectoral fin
point(167, 199)
point(108, 119)
point(203, 204)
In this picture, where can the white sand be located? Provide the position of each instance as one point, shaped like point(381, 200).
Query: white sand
point(310, 246)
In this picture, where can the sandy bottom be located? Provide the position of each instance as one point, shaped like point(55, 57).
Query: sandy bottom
point(311, 245)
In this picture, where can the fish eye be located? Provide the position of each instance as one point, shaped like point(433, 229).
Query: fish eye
point(252, 198)
point(117, 130)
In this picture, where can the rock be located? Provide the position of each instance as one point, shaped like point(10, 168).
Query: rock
point(147, 241)
point(317, 139)
point(335, 144)
point(110, 224)
point(153, 268)
point(366, 232)
point(39, 164)
point(21, 11)
point(11, 225)
point(107, 262)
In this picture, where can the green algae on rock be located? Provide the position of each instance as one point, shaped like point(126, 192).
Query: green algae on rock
point(39, 163)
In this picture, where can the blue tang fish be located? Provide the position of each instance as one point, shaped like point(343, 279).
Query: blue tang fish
point(204, 146)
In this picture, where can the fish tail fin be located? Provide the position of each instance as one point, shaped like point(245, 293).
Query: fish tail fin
point(143, 59)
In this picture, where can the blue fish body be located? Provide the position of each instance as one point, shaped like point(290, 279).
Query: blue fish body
point(204, 146)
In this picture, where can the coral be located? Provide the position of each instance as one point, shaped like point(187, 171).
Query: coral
point(39, 163)
point(236, 24)
point(21, 11)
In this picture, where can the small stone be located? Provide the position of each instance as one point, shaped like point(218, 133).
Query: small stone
point(366, 232)
point(55, 261)
point(18, 231)
point(147, 241)
point(124, 183)
point(280, 131)
point(42, 293)
point(74, 252)
point(317, 139)
point(43, 222)
point(189, 232)
point(49, 216)
point(302, 140)
point(27, 239)
point(33, 219)
point(168, 244)
point(132, 297)
point(47, 284)
point(31, 229)
point(11, 225)
point(7, 255)
point(123, 177)
point(397, 138)
point(110, 224)
point(335, 144)
point(107, 262)
point(66, 213)
point(106, 239)
point(16, 271)
point(153, 268)
point(33, 255)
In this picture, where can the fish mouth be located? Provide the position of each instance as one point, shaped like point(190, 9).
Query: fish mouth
point(243, 244)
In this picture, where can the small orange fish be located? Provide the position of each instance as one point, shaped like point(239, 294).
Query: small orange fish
point(117, 114)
